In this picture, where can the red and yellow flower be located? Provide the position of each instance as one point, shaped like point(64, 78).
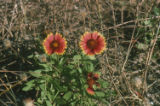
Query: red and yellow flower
point(92, 80)
point(54, 44)
point(92, 43)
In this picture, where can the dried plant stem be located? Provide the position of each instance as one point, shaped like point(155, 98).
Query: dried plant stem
point(12, 86)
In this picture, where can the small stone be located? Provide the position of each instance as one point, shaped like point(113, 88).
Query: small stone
point(138, 82)
point(28, 102)
point(7, 43)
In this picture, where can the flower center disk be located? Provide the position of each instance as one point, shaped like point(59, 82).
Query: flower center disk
point(91, 43)
point(55, 44)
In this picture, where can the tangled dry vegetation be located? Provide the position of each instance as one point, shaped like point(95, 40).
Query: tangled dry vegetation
point(131, 62)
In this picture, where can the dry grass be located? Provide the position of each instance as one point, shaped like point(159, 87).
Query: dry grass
point(133, 73)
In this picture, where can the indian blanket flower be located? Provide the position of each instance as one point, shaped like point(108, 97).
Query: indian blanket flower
point(92, 80)
point(92, 43)
point(54, 44)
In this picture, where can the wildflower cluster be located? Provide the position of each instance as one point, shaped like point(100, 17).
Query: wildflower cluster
point(66, 79)
point(90, 43)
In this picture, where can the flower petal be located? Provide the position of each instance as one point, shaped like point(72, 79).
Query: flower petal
point(95, 35)
point(57, 36)
point(96, 76)
point(50, 37)
point(87, 36)
point(90, 91)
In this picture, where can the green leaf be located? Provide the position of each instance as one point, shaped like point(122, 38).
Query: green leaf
point(68, 95)
point(48, 103)
point(42, 86)
point(36, 73)
point(142, 46)
point(60, 101)
point(30, 56)
point(57, 84)
point(70, 66)
point(47, 67)
point(76, 96)
point(76, 58)
point(39, 100)
point(156, 11)
point(61, 62)
point(147, 22)
point(29, 86)
point(72, 72)
point(53, 57)
point(91, 67)
point(43, 65)
point(100, 94)
point(30, 83)
point(80, 70)
point(74, 103)
point(105, 84)
point(92, 57)
point(43, 95)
